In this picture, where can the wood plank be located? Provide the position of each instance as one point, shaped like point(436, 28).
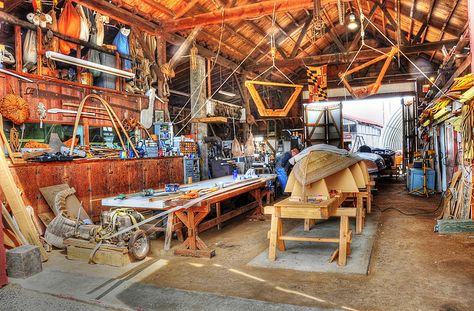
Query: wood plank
point(309, 239)
point(13, 196)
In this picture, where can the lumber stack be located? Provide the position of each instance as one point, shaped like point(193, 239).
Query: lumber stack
point(457, 201)
point(319, 174)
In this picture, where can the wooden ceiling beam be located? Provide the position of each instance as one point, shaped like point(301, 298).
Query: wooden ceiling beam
point(159, 7)
point(392, 22)
point(446, 22)
point(332, 33)
point(346, 57)
point(184, 8)
point(412, 12)
point(119, 14)
point(303, 32)
point(355, 42)
point(252, 10)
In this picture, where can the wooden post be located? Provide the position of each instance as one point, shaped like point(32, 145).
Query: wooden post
point(198, 110)
point(369, 198)
point(39, 51)
point(343, 235)
point(280, 243)
point(18, 49)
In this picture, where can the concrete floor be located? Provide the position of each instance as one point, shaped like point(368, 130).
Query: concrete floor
point(411, 268)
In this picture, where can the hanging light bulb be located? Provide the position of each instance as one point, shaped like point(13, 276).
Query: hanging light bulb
point(352, 25)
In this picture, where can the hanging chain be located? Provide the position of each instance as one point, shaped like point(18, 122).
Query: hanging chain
point(340, 11)
point(319, 28)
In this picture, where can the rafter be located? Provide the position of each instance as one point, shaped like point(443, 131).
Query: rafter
point(446, 22)
point(261, 8)
point(303, 32)
point(392, 22)
point(159, 7)
point(184, 8)
point(346, 57)
point(412, 12)
point(332, 33)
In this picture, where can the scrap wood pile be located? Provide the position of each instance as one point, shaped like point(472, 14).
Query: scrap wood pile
point(319, 174)
point(457, 201)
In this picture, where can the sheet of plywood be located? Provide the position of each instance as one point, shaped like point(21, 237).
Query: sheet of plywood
point(72, 202)
point(342, 181)
point(358, 175)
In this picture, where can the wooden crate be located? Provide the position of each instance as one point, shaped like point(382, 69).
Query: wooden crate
point(107, 254)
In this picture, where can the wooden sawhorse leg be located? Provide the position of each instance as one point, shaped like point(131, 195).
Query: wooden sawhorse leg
point(276, 231)
point(359, 212)
point(345, 238)
point(172, 225)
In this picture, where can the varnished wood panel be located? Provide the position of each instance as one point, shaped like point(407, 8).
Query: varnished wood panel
point(94, 180)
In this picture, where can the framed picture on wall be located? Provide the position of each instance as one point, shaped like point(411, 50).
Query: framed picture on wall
point(159, 116)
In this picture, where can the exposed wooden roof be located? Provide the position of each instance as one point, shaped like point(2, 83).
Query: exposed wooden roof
point(244, 25)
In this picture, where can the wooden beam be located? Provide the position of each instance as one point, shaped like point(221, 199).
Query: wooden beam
point(121, 15)
point(185, 7)
point(446, 22)
point(303, 32)
point(257, 9)
point(159, 7)
point(412, 12)
point(392, 21)
point(344, 57)
point(428, 19)
point(178, 40)
point(332, 33)
point(358, 35)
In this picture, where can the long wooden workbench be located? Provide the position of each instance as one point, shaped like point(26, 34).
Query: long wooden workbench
point(193, 217)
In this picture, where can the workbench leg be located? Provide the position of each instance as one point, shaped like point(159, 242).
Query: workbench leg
point(359, 214)
point(169, 231)
point(218, 214)
point(273, 235)
point(258, 213)
point(343, 239)
point(280, 243)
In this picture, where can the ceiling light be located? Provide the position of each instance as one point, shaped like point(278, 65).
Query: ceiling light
point(432, 78)
point(89, 65)
point(225, 93)
point(352, 25)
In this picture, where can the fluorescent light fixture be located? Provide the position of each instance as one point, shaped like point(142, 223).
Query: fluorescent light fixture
point(352, 25)
point(89, 65)
point(225, 93)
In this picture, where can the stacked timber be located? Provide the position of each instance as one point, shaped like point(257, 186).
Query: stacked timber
point(457, 201)
point(320, 173)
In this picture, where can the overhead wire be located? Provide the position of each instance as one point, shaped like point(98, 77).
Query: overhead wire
point(199, 88)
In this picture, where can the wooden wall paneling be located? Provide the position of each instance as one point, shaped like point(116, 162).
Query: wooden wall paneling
point(78, 178)
point(98, 184)
point(47, 175)
point(120, 170)
point(25, 181)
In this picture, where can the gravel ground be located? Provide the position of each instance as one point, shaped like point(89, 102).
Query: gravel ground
point(16, 298)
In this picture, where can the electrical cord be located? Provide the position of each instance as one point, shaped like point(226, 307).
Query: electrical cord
point(414, 214)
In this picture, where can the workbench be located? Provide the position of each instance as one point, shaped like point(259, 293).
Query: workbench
point(320, 210)
point(193, 217)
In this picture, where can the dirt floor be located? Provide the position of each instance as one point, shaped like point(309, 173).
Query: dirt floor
point(412, 268)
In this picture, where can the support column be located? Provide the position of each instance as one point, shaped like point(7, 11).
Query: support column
point(161, 55)
point(198, 110)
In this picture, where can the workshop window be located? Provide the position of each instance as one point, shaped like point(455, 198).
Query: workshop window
point(32, 131)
